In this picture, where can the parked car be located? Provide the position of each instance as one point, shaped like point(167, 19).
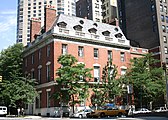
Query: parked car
point(82, 113)
point(160, 109)
point(103, 112)
point(3, 111)
point(141, 110)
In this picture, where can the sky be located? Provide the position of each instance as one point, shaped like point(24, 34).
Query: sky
point(8, 23)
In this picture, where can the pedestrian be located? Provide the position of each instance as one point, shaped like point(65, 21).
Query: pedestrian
point(18, 110)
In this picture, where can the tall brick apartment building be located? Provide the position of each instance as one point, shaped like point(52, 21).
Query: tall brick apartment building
point(92, 43)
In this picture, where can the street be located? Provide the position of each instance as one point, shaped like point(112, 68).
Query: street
point(111, 118)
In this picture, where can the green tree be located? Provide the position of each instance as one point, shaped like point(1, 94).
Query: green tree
point(147, 79)
point(15, 90)
point(72, 80)
point(109, 88)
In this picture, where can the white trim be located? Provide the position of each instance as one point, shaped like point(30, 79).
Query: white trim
point(39, 91)
point(48, 63)
point(123, 67)
point(40, 66)
point(96, 64)
point(48, 89)
point(80, 63)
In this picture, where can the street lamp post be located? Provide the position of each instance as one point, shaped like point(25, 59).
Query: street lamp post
point(165, 74)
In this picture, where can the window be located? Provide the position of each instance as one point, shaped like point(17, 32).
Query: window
point(80, 51)
point(152, 8)
point(25, 62)
point(96, 73)
point(48, 99)
point(162, 18)
point(96, 5)
point(32, 59)
point(39, 75)
point(32, 74)
point(165, 39)
point(166, 19)
point(166, 50)
point(96, 53)
point(123, 71)
point(39, 54)
point(161, 8)
point(38, 101)
point(167, 29)
point(122, 55)
point(164, 1)
point(165, 9)
point(64, 49)
point(166, 60)
point(48, 50)
point(109, 55)
point(163, 28)
point(48, 72)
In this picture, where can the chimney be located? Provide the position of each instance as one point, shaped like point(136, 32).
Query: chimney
point(50, 16)
point(35, 27)
point(117, 22)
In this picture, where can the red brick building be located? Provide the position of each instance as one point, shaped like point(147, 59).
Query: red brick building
point(92, 43)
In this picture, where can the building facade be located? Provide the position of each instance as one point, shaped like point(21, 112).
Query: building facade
point(110, 12)
point(145, 23)
point(28, 9)
point(92, 43)
point(90, 9)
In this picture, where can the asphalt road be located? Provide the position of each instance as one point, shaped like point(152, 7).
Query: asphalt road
point(45, 118)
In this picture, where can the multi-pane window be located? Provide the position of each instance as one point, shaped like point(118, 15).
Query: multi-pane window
point(96, 53)
point(154, 18)
point(166, 19)
point(165, 39)
point(64, 49)
point(109, 55)
point(39, 75)
point(161, 8)
point(48, 50)
point(96, 73)
point(48, 99)
point(166, 50)
point(122, 56)
point(32, 74)
point(163, 28)
point(162, 18)
point(48, 72)
point(167, 29)
point(165, 9)
point(152, 8)
point(80, 51)
point(38, 101)
point(32, 59)
point(123, 71)
point(39, 54)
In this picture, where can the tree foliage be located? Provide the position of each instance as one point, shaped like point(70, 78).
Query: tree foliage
point(72, 80)
point(109, 88)
point(15, 90)
point(147, 79)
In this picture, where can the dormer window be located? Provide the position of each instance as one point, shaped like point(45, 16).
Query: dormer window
point(78, 27)
point(92, 30)
point(81, 22)
point(62, 24)
point(116, 29)
point(95, 24)
point(118, 35)
point(106, 33)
